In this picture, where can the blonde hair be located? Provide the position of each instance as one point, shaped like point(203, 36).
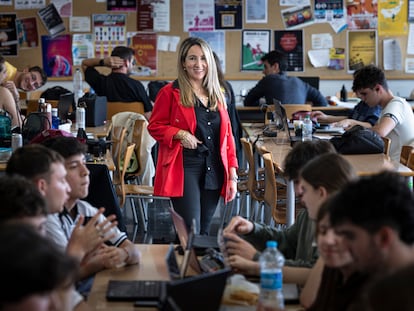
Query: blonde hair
point(210, 82)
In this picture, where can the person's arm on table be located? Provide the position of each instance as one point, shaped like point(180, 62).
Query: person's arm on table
point(310, 290)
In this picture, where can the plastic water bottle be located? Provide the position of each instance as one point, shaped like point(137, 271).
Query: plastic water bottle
point(55, 119)
point(77, 85)
point(271, 278)
point(80, 117)
point(307, 128)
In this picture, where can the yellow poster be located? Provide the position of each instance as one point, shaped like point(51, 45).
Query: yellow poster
point(392, 17)
point(362, 49)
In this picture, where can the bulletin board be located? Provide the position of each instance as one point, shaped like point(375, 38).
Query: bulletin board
point(166, 66)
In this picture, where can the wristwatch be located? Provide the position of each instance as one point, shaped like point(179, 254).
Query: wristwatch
point(101, 62)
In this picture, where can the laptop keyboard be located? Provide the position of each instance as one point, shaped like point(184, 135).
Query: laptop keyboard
point(135, 290)
point(148, 288)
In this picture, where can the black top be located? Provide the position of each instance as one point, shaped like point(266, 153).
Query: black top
point(118, 87)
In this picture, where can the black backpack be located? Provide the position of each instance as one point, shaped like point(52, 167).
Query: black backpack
point(53, 93)
point(154, 87)
point(35, 123)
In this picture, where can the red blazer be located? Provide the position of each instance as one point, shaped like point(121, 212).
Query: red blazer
point(167, 118)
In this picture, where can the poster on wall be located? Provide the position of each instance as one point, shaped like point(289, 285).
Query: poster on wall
point(362, 49)
point(392, 18)
point(198, 15)
point(255, 44)
point(228, 14)
point(145, 47)
point(57, 56)
point(153, 15)
point(216, 40)
point(51, 20)
point(297, 17)
point(27, 32)
point(8, 35)
point(109, 31)
point(362, 14)
point(291, 43)
point(121, 5)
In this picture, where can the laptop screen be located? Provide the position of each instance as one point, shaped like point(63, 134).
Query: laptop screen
point(66, 102)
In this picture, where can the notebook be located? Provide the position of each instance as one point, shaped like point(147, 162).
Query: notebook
point(330, 130)
point(146, 289)
point(66, 102)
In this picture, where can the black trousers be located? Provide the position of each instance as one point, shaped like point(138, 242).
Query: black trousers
point(196, 203)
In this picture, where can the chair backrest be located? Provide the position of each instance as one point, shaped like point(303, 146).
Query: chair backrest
point(118, 134)
point(115, 107)
point(252, 181)
point(406, 153)
point(387, 145)
point(292, 108)
point(270, 192)
point(410, 163)
point(122, 166)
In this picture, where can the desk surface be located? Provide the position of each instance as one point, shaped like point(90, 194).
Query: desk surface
point(364, 164)
point(152, 267)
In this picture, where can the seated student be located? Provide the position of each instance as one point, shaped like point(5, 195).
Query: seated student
point(118, 85)
point(333, 282)
point(29, 79)
point(59, 226)
point(45, 169)
point(277, 85)
point(22, 203)
point(247, 239)
point(378, 229)
point(7, 102)
point(361, 114)
point(36, 275)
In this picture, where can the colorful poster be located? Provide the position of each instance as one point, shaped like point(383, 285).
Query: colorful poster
point(57, 56)
point(362, 14)
point(255, 44)
point(27, 32)
point(336, 58)
point(82, 48)
point(153, 15)
point(8, 35)
point(328, 10)
point(216, 40)
point(362, 49)
point(392, 17)
point(51, 20)
point(198, 15)
point(228, 14)
point(64, 7)
point(109, 31)
point(145, 47)
point(291, 43)
point(297, 17)
point(121, 5)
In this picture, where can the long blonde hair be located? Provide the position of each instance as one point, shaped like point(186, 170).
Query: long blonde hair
point(210, 82)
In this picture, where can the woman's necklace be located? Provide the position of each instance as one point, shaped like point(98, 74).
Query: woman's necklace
point(203, 99)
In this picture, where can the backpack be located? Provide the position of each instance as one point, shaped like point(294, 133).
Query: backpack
point(358, 140)
point(53, 93)
point(5, 130)
point(154, 87)
point(34, 124)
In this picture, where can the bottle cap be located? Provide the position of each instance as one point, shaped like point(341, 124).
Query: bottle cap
point(271, 244)
point(41, 100)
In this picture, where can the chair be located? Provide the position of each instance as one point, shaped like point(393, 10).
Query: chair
point(387, 145)
point(406, 153)
point(292, 108)
point(115, 107)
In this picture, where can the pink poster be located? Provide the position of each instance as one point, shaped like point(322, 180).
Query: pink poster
point(57, 56)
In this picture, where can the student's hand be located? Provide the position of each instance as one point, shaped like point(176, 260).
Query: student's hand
point(86, 238)
point(244, 266)
point(114, 257)
point(114, 62)
point(12, 88)
point(345, 124)
point(235, 245)
point(318, 115)
point(239, 225)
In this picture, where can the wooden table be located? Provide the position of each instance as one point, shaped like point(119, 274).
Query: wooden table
point(101, 131)
point(364, 164)
point(152, 267)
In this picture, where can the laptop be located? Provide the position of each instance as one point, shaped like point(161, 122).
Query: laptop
point(200, 242)
point(65, 105)
point(329, 129)
point(148, 290)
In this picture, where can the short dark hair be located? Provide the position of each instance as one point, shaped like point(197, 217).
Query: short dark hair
point(33, 161)
point(31, 264)
point(123, 52)
point(43, 74)
point(66, 146)
point(20, 198)
point(376, 201)
point(302, 153)
point(368, 77)
point(276, 56)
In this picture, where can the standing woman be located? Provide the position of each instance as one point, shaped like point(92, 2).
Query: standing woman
point(197, 159)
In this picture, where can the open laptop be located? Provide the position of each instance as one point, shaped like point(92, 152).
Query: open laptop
point(200, 242)
point(152, 290)
point(65, 105)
